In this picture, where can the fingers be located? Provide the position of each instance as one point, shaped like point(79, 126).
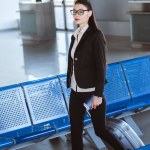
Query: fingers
point(96, 102)
point(94, 106)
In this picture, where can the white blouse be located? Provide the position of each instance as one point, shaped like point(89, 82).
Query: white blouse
point(78, 35)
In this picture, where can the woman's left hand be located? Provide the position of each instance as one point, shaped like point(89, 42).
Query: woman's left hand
point(96, 101)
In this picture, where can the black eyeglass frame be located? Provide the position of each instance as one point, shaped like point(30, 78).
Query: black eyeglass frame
point(77, 12)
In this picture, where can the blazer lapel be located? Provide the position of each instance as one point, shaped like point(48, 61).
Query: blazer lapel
point(80, 42)
point(83, 37)
point(71, 45)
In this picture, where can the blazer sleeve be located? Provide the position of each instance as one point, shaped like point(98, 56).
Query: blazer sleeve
point(69, 68)
point(100, 63)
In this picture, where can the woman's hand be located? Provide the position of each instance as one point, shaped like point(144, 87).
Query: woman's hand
point(96, 101)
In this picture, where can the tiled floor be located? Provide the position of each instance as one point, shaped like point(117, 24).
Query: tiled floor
point(23, 62)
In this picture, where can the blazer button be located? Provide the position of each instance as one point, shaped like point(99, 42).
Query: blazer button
point(76, 59)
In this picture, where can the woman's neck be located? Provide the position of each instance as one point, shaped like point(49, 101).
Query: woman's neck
point(81, 26)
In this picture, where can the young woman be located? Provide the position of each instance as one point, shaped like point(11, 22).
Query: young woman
point(86, 76)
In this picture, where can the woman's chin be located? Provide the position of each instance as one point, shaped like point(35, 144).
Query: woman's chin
point(77, 22)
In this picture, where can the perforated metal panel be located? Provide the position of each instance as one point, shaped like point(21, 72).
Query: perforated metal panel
point(138, 76)
point(66, 90)
point(45, 100)
point(13, 110)
point(116, 89)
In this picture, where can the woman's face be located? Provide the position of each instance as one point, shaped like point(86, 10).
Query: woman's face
point(81, 14)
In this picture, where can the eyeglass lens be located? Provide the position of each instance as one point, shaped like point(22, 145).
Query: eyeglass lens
point(79, 12)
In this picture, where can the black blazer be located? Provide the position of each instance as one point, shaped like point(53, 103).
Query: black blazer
point(89, 61)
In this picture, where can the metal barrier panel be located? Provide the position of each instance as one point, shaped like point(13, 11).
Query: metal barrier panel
point(66, 90)
point(116, 90)
point(137, 72)
point(13, 110)
point(45, 100)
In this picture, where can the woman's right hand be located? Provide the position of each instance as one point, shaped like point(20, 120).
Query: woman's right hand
point(96, 102)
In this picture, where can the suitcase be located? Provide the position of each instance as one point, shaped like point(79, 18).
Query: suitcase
point(124, 133)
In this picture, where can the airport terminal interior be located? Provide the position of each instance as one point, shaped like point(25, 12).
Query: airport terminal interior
point(34, 43)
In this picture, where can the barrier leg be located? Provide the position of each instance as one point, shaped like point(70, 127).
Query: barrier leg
point(134, 126)
point(95, 140)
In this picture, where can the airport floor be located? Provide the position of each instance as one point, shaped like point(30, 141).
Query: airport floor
point(22, 61)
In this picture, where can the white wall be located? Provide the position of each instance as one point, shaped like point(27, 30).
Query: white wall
point(8, 15)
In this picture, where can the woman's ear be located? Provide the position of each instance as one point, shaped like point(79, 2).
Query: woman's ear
point(90, 13)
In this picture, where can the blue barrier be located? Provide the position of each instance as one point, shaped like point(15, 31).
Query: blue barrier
point(36, 109)
point(46, 104)
point(116, 90)
point(46, 113)
point(66, 91)
point(147, 147)
point(14, 118)
point(137, 73)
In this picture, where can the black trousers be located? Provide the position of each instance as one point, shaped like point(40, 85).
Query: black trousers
point(77, 112)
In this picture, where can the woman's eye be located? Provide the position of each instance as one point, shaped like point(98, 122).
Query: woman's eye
point(80, 11)
point(74, 12)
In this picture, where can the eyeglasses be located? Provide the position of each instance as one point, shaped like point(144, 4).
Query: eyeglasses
point(79, 12)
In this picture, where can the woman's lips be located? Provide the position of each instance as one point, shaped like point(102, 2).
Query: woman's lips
point(76, 19)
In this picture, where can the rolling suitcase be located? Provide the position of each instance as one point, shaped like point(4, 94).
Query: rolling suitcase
point(124, 133)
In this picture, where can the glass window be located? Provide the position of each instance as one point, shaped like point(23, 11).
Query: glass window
point(59, 18)
point(57, 2)
point(69, 2)
point(63, 18)
point(70, 24)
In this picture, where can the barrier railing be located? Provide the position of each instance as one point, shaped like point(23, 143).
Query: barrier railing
point(116, 90)
point(137, 73)
point(35, 109)
point(14, 116)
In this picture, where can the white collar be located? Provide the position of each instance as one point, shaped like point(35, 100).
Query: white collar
point(82, 31)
